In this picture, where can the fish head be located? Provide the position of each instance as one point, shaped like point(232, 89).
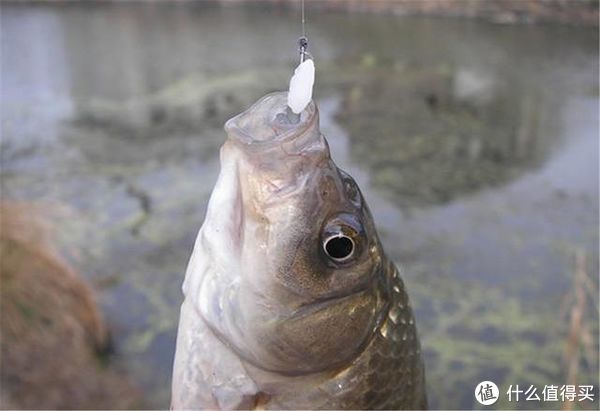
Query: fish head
point(287, 268)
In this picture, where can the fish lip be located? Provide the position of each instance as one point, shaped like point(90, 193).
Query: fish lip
point(328, 301)
point(269, 106)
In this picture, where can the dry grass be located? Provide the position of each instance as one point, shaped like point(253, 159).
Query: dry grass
point(52, 333)
point(579, 348)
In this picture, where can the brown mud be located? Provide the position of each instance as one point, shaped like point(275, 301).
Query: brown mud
point(55, 345)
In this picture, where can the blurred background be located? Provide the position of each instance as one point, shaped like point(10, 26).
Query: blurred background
point(471, 127)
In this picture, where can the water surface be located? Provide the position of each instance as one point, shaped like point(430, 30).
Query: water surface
point(476, 146)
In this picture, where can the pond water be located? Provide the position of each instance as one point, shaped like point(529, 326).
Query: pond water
point(475, 144)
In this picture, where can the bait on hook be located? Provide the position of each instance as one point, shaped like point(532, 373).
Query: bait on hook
point(301, 83)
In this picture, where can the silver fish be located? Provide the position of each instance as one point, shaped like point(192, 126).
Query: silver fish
point(290, 301)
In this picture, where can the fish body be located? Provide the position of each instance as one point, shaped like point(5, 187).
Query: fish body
point(290, 301)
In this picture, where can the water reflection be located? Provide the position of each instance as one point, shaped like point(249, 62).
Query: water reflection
point(429, 136)
point(476, 146)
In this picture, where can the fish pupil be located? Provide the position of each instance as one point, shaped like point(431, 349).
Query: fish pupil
point(339, 247)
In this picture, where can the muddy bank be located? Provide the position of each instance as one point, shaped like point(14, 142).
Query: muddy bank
point(54, 343)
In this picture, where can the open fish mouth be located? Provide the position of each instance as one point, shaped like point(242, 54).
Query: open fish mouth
point(270, 123)
point(277, 153)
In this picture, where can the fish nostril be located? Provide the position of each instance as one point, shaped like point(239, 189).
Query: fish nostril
point(339, 248)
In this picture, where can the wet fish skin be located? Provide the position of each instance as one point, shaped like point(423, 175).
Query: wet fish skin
point(270, 319)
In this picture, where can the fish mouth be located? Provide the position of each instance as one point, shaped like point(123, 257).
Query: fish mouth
point(277, 151)
point(270, 122)
point(328, 333)
point(364, 292)
point(323, 303)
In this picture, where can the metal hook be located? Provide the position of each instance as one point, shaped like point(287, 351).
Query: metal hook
point(303, 46)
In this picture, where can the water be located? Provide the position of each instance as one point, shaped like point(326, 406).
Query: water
point(476, 146)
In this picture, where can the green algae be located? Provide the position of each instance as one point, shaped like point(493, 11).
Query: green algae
point(493, 334)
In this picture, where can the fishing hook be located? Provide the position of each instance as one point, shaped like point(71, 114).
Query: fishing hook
point(303, 46)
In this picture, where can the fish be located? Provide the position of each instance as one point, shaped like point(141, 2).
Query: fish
point(290, 301)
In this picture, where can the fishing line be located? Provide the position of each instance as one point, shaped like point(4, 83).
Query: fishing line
point(303, 20)
point(303, 40)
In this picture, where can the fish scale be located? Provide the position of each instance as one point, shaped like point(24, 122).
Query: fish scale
point(394, 372)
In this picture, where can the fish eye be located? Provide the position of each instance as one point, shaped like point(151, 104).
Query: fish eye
point(342, 240)
point(339, 247)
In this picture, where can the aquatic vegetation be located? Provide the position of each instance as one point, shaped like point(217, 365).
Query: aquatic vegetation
point(472, 333)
